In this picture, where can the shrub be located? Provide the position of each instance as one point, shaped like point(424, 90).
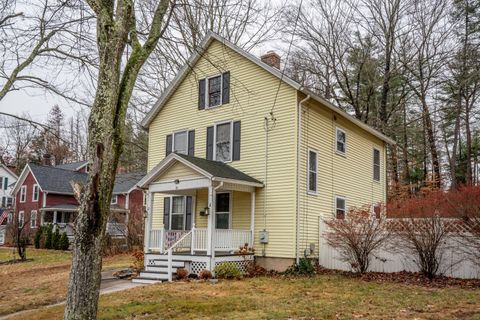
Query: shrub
point(357, 236)
point(254, 270)
point(56, 239)
point(182, 273)
point(205, 275)
point(63, 243)
point(138, 260)
point(305, 267)
point(48, 237)
point(227, 270)
point(38, 238)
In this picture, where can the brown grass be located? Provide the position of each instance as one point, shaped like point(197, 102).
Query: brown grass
point(43, 281)
point(320, 297)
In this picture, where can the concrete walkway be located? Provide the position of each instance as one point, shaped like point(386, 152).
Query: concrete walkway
point(109, 284)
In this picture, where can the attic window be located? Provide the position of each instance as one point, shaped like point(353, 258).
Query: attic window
point(214, 96)
point(341, 141)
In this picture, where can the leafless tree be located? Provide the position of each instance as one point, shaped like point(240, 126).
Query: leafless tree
point(357, 237)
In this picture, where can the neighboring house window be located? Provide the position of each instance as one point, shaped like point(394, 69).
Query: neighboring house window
point(223, 142)
point(312, 171)
point(5, 183)
point(114, 199)
point(33, 219)
point(376, 164)
point(341, 141)
point(178, 213)
point(35, 193)
point(21, 219)
point(222, 211)
point(214, 91)
point(10, 218)
point(9, 201)
point(1, 183)
point(4, 202)
point(340, 208)
point(23, 193)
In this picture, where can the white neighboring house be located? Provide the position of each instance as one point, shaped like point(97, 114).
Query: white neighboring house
point(7, 180)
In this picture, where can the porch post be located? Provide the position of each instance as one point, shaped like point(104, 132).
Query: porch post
point(55, 220)
point(148, 222)
point(252, 218)
point(211, 226)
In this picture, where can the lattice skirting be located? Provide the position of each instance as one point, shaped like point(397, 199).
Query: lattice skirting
point(196, 267)
point(242, 265)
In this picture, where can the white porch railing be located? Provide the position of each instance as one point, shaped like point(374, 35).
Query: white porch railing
point(197, 240)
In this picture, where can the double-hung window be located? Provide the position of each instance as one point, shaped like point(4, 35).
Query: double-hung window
point(376, 164)
point(23, 193)
point(9, 202)
point(340, 207)
point(214, 91)
point(223, 142)
point(341, 141)
point(180, 142)
point(312, 172)
point(222, 211)
point(21, 219)
point(114, 199)
point(33, 219)
point(35, 193)
point(178, 213)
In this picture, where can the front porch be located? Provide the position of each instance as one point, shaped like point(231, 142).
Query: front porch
point(196, 218)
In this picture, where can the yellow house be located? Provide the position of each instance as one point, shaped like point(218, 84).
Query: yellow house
point(240, 154)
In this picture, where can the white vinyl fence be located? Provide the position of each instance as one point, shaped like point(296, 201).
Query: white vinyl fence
point(455, 264)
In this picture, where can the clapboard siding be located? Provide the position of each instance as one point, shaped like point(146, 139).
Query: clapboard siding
point(251, 98)
point(350, 176)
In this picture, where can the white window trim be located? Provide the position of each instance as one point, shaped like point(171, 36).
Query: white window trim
point(23, 194)
point(215, 139)
point(312, 192)
point(379, 165)
point(207, 103)
point(36, 219)
point(335, 205)
point(343, 153)
point(173, 138)
point(33, 193)
point(114, 196)
point(178, 214)
point(230, 198)
point(21, 214)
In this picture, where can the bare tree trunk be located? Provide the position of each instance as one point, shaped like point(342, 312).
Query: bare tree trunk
point(436, 179)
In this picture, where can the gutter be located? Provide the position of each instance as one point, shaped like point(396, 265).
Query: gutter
point(299, 144)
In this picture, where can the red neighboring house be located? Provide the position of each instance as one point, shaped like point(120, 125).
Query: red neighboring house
point(44, 195)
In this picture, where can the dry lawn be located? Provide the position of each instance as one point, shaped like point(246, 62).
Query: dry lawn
point(43, 281)
point(320, 297)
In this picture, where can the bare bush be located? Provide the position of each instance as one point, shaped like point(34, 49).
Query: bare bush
point(357, 236)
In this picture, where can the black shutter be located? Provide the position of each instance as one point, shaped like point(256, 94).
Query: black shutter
point(6, 183)
point(209, 143)
point(226, 87)
point(201, 94)
point(166, 213)
point(188, 213)
point(191, 142)
point(168, 145)
point(236, 141)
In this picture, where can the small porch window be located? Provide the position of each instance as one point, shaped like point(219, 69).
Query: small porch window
point(222, 217)
point(340, 208)
point(178, 213)
point(341, 141)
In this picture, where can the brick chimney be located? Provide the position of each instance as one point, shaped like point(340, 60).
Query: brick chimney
point(272, 59)
point(46, 159)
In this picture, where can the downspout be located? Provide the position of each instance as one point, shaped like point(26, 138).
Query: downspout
point(299, 145)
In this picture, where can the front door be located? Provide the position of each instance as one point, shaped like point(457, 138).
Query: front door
point(222, 211)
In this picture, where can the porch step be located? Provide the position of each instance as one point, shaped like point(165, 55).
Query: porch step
point(145, 281)
point(149, 275)
point(151, 268)
point(164, 263)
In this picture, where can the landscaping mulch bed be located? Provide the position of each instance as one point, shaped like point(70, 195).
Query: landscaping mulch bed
point(409, 278)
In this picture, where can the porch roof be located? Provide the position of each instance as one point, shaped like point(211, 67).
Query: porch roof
point(214, 170)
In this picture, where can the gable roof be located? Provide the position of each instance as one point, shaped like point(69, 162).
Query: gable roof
point(213, 170)
point(7, 169)
point(74, 166)
point(182, 74)
point(56, 180)
point(125, 182)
